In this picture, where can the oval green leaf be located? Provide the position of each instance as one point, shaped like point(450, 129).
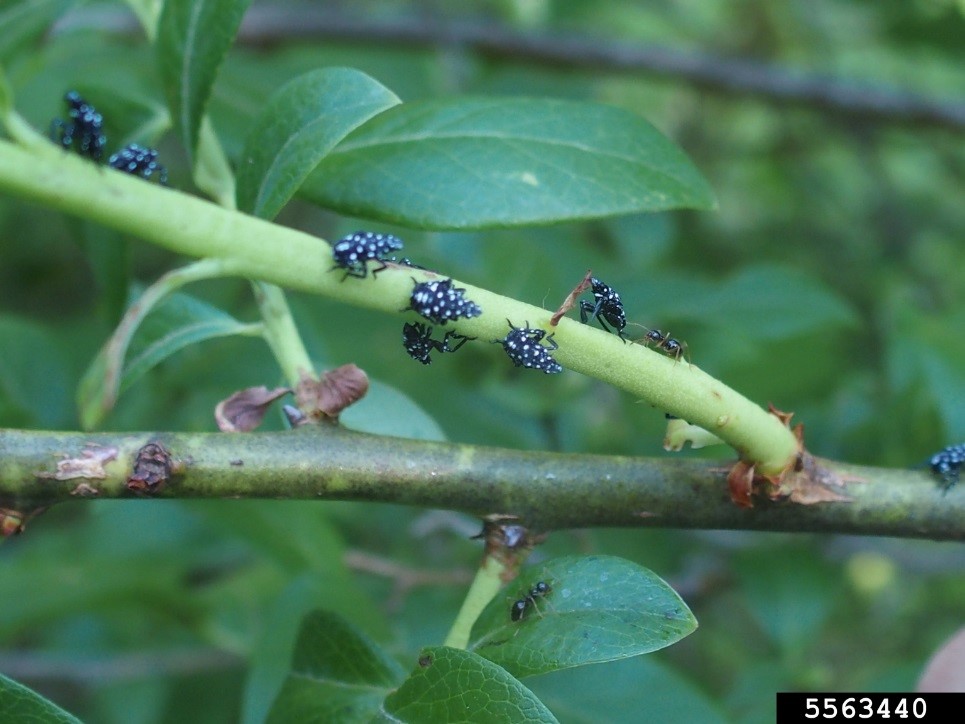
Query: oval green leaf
point(471, 163)
point(20, 704)
point(598, 608)
point(178, 321)
point(337, 674)
point(455, 685)
point(301, 123)
point(193, 39)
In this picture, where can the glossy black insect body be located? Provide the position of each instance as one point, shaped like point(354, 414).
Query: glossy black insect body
point(418, 342)
point(139, 161)
point(352, 252)
point(440, 302)
point(606, 308)
point(672, 346)
point(84, 130)
point(525, 348)
point(520, 607)
point(947, 464)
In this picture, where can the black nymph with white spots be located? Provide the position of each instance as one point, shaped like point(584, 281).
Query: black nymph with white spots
point(606, 305)
point(139, 161)
point(84, 130)
point(352, 252)
point(440, 302)
point(524, 346)
point(947, 463)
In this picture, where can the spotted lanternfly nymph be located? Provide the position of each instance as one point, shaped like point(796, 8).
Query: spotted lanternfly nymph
point(418, 342)
point(352, 252)
point(673, 347)
point(606, 305)
point(440, 302)
point(139, 161)
point(524, 347)
point(947, 463)
point(84, 129)
point(519, 608)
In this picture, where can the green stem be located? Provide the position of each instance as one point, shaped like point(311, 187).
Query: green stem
point(545, 491)
point(293, 259)
point(282, 334)
point(213, 175)
point(488, 582)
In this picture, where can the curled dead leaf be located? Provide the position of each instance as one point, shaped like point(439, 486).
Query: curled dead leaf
point(328, 396)
point(245, 409)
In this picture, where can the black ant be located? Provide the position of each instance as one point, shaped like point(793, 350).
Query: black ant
point(672, 346)
point(519, 608)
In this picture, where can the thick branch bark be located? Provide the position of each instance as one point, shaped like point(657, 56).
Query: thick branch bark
point(267, 25)
point(546, 491)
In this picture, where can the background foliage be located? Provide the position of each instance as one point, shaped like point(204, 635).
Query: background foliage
point(830, 281)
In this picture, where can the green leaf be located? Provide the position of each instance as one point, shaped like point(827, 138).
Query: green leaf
point(790, 603)
point(147, 12)
point(764, 301)
point(22, 21)
point(175, 322)
point(598, 608)
point(628, 687)
point(338, 674)
point(485, 162)
point(178, 322)
point(6, 96)
point(300, 124)
point(386, 411)
point(451, 685)
point(193, 39)
point(33, 373)
point(20, 704)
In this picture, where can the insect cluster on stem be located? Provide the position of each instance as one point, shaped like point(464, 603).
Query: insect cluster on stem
point(85, 133)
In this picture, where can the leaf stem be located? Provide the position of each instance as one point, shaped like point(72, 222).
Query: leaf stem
point(485, 586)
point(281, 333)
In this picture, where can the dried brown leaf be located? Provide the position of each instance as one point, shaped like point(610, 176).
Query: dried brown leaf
point(245, 409)
point(740, 481)
point(328, 396)
point(571, 298)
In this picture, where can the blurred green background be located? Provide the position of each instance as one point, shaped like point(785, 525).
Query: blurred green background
point(831, 282)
